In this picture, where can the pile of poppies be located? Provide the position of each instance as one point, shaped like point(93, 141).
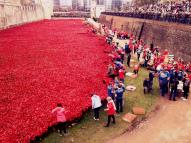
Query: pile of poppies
point(42, 64)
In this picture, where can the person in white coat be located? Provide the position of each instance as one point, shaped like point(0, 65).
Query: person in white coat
point(96, 104)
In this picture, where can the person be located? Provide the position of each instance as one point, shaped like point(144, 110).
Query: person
point(110, 111)
point(163, 82)
point(151, 77)
point(128, 52)
point(122, 75)
point(147, 58)
point(136, 69)
point(109, 39)
point(116, 82)
point(121, 53)
point(126, 48)
point(180, 75)
point(61, 118)
point(94, 31)
point(168, 79)
point(188, 67)
point(172, 76)
point(186, 87)
point(174, 86)
point(96, 104)
point(139, 51)
point(110, 91)
point(128, 59)
point(111, 71)
point(146, 85)
point(152, 47)
point(119, 97)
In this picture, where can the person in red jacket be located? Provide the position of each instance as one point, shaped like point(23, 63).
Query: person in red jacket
point(111, 110)
point(122, 75)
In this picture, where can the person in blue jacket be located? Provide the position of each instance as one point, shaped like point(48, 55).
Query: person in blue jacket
point(163, 82)
point(110, 91)
point(119, 98)
point(168, 80)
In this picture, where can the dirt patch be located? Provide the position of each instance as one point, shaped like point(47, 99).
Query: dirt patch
point(169, 122)
point(141, 120)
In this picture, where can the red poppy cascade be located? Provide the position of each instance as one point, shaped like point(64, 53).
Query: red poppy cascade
point(46, 63)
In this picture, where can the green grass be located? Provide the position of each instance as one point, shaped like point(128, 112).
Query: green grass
point(90, 131)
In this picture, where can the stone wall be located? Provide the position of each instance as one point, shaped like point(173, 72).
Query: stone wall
point(13, 12)
point(172, 36)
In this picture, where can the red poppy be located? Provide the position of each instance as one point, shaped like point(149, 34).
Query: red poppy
point(46, 63)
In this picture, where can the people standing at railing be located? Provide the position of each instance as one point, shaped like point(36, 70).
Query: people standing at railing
point(167, 11)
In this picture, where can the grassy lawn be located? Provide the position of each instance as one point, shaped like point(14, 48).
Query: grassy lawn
point(90, 131)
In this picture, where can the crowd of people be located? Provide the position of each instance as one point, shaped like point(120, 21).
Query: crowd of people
point(174, 76)
point(170, 11)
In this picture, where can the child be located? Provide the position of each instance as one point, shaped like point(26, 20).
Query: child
point(96, 104)
point(61, 118)
point(110, 111)
point(136, 69)
point(122, 75)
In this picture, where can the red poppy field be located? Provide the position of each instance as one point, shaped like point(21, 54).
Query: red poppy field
point(44, 63)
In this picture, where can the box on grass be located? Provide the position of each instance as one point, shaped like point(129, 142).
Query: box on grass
point(129, 117)
point(138, 111)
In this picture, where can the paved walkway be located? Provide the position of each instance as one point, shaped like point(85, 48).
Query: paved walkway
point(171, 124)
